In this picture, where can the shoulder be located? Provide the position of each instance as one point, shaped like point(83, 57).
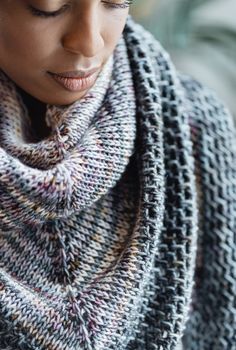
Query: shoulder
point(207, 109)
point(213, 135)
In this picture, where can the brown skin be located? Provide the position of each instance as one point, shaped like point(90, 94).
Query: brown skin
point(83, 36)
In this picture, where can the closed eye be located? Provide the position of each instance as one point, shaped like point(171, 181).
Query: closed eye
point(45, 14)
point(41, 13)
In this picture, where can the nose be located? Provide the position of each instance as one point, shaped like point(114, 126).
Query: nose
point(84, 36)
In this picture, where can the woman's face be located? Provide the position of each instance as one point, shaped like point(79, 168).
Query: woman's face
point(77, 35)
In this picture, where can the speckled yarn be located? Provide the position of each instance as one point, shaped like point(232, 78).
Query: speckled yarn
point(117, 231)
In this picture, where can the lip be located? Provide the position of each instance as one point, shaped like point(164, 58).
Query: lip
point(76, 81)
point(77, 73)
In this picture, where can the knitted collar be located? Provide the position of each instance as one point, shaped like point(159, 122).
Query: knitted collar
point(85, 155)
point(98, 221)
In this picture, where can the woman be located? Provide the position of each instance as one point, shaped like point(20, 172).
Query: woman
point(106, 154)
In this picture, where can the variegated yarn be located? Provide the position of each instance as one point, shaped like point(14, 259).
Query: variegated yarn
point(117, 230)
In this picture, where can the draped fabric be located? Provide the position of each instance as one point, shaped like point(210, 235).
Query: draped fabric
point(117, 229)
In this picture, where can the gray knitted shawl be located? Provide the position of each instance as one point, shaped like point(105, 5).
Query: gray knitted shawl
point(117, 231)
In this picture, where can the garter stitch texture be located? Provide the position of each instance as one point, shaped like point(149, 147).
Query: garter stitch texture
point(117, 231)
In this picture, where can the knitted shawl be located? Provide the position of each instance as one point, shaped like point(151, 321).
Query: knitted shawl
point(117, 230)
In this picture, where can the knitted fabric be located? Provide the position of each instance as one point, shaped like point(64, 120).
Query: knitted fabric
point(117, 230)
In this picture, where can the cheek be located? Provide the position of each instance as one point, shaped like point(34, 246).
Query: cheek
point(24, 46)
point(113, 29)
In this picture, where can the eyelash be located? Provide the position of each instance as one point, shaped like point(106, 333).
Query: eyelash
point(44, 14)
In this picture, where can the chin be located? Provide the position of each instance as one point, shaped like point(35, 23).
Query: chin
point(64, 100)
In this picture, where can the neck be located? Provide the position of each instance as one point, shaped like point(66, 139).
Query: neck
point(36, 110)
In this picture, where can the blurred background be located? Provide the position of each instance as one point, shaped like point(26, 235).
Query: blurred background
point(200, 36)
